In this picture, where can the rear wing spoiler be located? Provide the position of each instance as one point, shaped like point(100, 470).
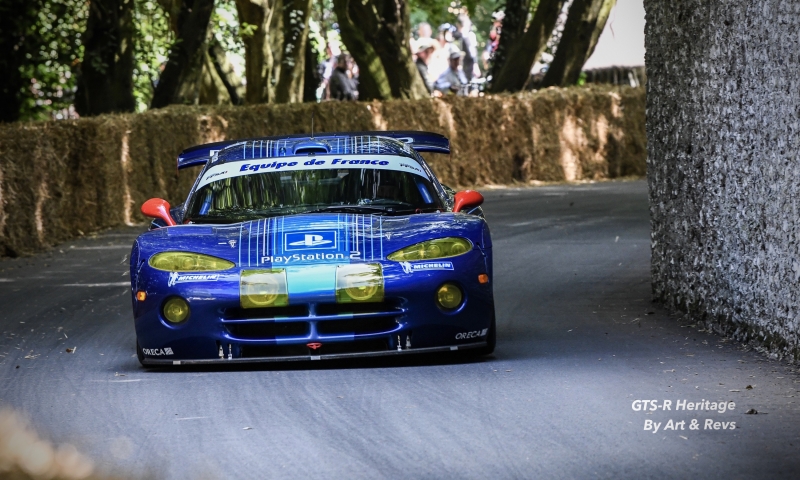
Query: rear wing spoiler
point(423, 142)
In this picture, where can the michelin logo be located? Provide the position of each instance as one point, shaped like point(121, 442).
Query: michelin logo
point(175, 277)
point(157, 352)
point(409, 267)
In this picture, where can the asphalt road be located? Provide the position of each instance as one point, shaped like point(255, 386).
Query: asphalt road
point(578, 342)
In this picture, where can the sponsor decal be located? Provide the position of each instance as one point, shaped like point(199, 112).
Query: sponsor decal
point(300, 257)
point(215, 175)
point(232, 243)
point(472, 334)
point(175, 277)
point(310, 240)
point(250, 167)
point(314, 345)
point(157, 352)
point(412, 168)
point(409, 267)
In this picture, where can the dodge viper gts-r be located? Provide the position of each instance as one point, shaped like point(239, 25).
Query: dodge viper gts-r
point(313, 247)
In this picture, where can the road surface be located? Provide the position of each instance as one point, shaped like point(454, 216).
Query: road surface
point(579, 341)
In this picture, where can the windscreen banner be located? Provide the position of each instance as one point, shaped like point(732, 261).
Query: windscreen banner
point(284, 164)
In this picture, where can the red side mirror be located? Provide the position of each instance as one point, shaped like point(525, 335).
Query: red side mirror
point(467, 199)
point(158, 208)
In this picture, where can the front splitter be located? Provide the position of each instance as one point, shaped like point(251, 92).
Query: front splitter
point(306, 358)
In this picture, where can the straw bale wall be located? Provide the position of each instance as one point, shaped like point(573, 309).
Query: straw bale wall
point(62, 179)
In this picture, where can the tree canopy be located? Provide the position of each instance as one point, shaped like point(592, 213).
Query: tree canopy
point(65, 58)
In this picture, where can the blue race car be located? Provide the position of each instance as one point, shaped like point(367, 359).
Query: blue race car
point(313, 247)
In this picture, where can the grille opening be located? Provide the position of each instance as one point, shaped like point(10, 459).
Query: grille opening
point(356, 326)
point(351, 308)
point(266, 330)
point(290, 311)
point(255, 351)
point(359, 346)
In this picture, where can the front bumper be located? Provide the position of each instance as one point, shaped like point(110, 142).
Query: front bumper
point(407, 321)
point(301, 358)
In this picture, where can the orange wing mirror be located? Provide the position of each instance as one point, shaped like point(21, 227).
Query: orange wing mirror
point(467, 199)
point(158, 208)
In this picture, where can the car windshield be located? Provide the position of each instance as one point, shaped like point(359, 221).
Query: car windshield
point(240, 191)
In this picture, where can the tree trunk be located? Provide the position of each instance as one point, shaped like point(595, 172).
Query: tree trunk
point(181, 76)
point(212, 89)
point(289, 88)
point(254, 19)
point(373, 83)
point(173, 9)
point(17, 18)
point(105, 81)
point(384, 26)
point(395, 52)
point(311, 75)
point(585, 23)
point(516, 16)
point(526, 49)
point(230, 79)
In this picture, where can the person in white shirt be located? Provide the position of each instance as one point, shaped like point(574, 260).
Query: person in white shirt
point(452, 81)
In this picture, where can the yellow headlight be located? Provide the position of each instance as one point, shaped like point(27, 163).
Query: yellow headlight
point(188, 262)
point(449, 296)
point(439, 248)
point(263, 288)
point(359, 282)
point(176, 310)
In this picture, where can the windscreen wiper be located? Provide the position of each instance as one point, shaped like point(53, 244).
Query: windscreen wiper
point(358, 209)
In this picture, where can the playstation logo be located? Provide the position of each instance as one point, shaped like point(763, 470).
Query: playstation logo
point(311, 240)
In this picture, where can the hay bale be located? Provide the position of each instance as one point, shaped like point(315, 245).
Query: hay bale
point(62, 179)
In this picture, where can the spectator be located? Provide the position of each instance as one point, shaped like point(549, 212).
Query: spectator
point(424, 50)
point(494, 38)
point(331, 53)
point(439, 59)
point(468, 43)
point(453, 80)
point(423, 32)
point(342, 86)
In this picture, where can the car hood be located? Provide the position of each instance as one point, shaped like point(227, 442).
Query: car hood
point(314, 238)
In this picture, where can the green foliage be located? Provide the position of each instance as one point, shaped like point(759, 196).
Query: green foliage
point(321, 33)
point(54, 50)
point(152, 38)
point(53, 59)
point(228, 32)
